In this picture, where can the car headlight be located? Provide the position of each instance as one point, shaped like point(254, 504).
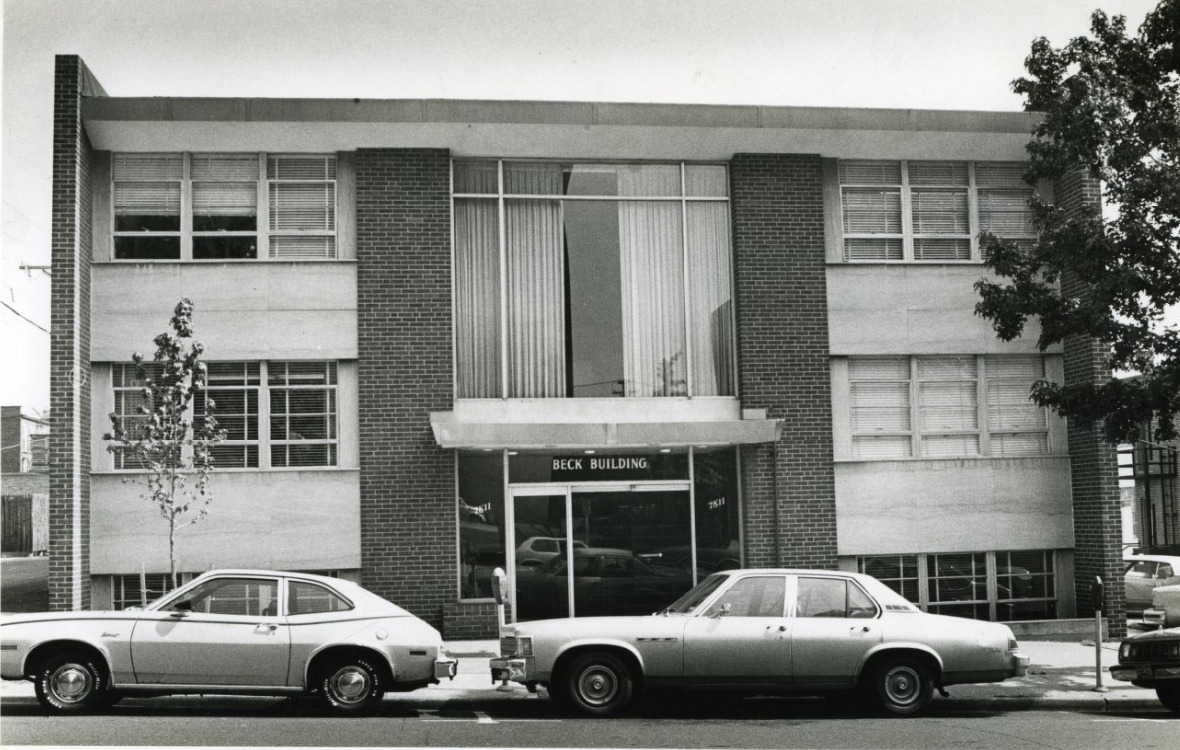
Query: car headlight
point(524, 645)
point(1125, 651)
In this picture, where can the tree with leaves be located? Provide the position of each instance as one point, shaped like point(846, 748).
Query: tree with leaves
point(170, 444)
point(1110, 106)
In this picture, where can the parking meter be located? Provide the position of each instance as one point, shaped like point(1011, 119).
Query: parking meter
point(499, 586)
point(1096, 597)
point(1097, 593)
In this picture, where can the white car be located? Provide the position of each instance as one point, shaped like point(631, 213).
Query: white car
point(1143, 573)
point(763, 631)
point(234, 632)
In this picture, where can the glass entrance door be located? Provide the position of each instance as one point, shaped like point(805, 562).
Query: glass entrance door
point(629, 550)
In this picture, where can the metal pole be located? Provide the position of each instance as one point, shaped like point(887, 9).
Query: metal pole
point(1098, 688)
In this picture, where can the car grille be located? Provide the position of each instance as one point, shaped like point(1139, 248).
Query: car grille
point(507, 645)
point(1154, 651)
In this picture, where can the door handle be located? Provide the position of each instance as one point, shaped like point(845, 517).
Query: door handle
point(863, 629)
point(781, 628)
point(266, 628)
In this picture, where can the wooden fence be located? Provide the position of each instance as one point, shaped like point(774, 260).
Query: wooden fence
point(24, 524)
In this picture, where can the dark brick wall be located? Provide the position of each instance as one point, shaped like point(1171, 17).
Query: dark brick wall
point(1097, 518)
point(408, 508)
point(69, 372)
point(783, 361)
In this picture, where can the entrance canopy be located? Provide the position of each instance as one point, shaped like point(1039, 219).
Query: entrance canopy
point(452, 433)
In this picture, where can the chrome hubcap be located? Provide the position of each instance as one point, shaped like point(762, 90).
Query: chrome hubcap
point(902, 685)
point(70, 683)
point(598, 685)
point(350, 685)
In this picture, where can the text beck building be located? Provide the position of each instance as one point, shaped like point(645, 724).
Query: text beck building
point(636, 342)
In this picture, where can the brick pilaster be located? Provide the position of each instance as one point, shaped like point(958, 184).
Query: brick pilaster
point(1097, 517)
point(408, 506)
point(783, 358)
point(69, 372)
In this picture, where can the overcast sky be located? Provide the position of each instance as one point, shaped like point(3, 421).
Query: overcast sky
point(927, 54)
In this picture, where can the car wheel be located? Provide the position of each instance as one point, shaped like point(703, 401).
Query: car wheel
point(71, 682)
point(1170, 697)
point(351, 686)
point(598, 684)
point(901, 686)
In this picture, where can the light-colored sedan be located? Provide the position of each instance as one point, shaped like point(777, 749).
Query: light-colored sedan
point(1165, 607)
point(234, 632)
point(763, 631)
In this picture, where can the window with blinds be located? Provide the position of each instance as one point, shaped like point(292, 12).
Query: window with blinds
point(929, 211)
point(131, 401)
point(210, 206)
point(274, 414)
point(946, 407)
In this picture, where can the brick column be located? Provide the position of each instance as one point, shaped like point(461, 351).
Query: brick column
point(789, 487)
point(69, 372)
point(408, 509)
point(1097, 517)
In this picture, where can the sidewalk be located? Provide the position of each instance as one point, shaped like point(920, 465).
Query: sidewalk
point(1061, 677)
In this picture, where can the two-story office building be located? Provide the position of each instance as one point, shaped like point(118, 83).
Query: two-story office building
point(609, 347)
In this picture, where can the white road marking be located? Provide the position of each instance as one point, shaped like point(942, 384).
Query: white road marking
point(1156, 721)
point(482, 718)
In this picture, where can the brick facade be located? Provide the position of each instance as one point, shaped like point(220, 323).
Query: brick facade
point(1097, 515)
point(69, 373)
point(789, 490)
point(407, 485)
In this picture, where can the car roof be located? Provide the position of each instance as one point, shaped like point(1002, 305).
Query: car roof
point(1136, 557)
point(273, 573)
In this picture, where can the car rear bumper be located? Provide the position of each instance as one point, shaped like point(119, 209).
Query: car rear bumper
point(516, 669)
point(1019, 664)
point(1155, 617)
point(445, 666)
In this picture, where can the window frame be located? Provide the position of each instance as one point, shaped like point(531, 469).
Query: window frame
point(924, 560)
point(264, 209)
point(264, 442)
point(502, 196)
point(907, 190)
point(917, 432)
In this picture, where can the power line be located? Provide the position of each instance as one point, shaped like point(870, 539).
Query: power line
point(22, 317)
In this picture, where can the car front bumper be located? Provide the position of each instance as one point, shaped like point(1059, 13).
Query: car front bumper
point(1019, 664)
point(1146, 673)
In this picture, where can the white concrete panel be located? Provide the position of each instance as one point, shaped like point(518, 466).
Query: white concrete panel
point(287, 520)
point(912, 309)
point(894, 507)
point(259, 310)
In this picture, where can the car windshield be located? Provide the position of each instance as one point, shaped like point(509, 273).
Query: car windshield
point(887, 597)
point(688, 603)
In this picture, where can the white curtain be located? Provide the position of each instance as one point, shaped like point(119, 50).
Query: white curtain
point(710, 300)
point(536, 290)
point(651, 250)
point(477, 298)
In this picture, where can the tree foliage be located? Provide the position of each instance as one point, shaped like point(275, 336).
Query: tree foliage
point(1111, 110)
point(170, 445)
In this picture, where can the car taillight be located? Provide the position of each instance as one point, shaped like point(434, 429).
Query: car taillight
point(524, 645)
point(1012, 644)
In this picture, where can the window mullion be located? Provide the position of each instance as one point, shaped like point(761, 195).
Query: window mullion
point(186, 209)
point(915, 410)
point(907, 216)
point(503, 239)
point(973, 212)
point(263, 416)
point(985, 437)
point(687, 295)
point(923, 584)
point(992, 586)
point(263, 201)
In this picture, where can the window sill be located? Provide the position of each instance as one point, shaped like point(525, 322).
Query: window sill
point(905, 262)
point(220, 261)
point(282, 469)
point(915, 459)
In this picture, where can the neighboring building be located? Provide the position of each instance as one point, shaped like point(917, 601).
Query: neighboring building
point(440, 331)
point(24, 481)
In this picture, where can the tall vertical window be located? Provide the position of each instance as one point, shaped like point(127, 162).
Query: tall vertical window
point(233, 387)
point(930, 210)
point(902, 407)
point(592, 280)
point(302, 413)
point(210, 206)
point(130, 399)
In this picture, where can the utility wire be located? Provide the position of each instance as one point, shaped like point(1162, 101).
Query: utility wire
point(22, 317)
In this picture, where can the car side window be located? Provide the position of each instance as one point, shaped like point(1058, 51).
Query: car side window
point(1141, 569)
point(616, 567)
point(310, 599)
point(1164, 571)
point(545, 545)
point(859, 603)
point(248, 597)
point(822, 597)
point(756, 596)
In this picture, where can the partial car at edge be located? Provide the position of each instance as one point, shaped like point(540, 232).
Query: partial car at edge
point(233, 632)
point(1152, 660)
point(762, 631)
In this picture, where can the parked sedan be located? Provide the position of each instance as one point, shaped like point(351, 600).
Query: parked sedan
point(1143, 574)
point(243, 632)
point(795, 631)
point(1152, 660)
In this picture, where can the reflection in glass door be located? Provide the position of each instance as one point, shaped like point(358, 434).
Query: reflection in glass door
point(630, 551)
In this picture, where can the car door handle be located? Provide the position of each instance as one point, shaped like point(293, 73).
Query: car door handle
point(781, 628)
point(863, 629)
point(266, 628)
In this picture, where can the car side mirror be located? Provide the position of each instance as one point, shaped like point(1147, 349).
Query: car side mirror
point(722, 611)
